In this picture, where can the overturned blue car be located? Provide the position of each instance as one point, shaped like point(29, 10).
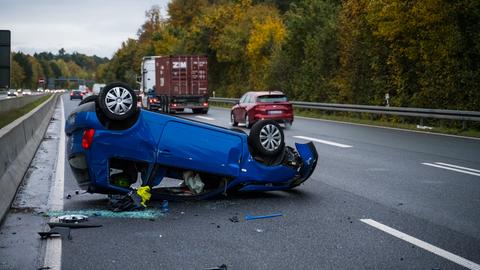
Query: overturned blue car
point(113, 144)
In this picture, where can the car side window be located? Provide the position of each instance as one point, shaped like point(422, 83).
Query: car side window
point(247, 99)
point(242, 99)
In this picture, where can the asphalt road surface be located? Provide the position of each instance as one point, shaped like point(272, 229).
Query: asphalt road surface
point(378, 199)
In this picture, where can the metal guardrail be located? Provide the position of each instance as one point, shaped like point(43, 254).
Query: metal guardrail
point(401, 111)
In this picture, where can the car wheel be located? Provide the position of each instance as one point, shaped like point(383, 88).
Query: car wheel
point(92, 98)
point(118, 101)
point(233, 122)
point(247, 121)
point(266, 138)
point(197, 110)
point(204, 111)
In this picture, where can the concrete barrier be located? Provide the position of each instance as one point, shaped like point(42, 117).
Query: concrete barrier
point(19, 141)
point(15, 103)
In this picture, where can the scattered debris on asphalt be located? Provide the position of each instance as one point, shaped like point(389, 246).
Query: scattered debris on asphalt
point(165, 206)
point(263, 216)
point(234, 219)
point(134, 200)
point(73, 218)
point(146, 214)
point(55, 232)
point(69, 196)
point(259, 230)
point(221, 267)
point(73, 225)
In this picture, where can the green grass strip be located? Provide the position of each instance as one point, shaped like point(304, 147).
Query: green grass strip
point(10, 116)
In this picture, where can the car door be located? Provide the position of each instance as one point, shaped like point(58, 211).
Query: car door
point(243, 108)
point(237, 110)
point(212, 149)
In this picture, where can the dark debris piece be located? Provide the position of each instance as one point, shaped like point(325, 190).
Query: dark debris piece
point(234, 219)
point(57, 231)
point(221, 267)
point(130, 202)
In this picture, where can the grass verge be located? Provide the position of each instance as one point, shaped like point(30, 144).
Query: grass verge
point(441, 126)
point(10, 116)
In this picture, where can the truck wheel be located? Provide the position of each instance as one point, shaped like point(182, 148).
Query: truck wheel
point(233, 121)
point(92, 98)
point(266, 138)
point(117, 101)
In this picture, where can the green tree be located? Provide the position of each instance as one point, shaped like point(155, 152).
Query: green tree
point(306, 64)
point(17, 75)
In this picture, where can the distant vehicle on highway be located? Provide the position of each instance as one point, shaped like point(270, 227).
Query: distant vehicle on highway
point(110, 141)
point(76, 94)
point(12, 93)
point(27, 92)
point(175, 83)
point(255, 106)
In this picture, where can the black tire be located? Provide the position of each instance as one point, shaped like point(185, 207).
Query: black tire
point(197, 110)
point(124, 108)
point(204, 111)
point(269, 133)
point(233, 121)
point(92, 98)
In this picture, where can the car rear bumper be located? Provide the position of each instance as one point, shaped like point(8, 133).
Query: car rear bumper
point(308, 154)
point(275, 117)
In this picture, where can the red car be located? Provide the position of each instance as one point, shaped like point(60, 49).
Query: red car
point(254, 106)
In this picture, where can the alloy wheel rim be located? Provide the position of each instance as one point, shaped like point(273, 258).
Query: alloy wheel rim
point(118, 100)
point(270, 137)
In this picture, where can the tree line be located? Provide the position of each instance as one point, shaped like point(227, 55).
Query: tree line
point(422, 53)
point(26, 70)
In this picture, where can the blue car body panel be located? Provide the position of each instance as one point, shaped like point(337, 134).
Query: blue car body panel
point(173, 142)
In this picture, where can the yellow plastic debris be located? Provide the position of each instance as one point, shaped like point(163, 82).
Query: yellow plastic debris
point(144, 193)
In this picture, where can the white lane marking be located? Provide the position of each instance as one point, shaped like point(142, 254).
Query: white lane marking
point(451, 169)
point(458, 167)
point(53, 252)
point(419, 243)
point(323, 141)
point(205, 118)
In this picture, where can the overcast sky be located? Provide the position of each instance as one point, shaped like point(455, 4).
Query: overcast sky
point(86, 26)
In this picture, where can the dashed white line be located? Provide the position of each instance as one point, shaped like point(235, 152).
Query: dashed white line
point(458, 167)
point(53, 252)
point(205, 118)
point(323, 141)
point(419, 243)
point(454, 168)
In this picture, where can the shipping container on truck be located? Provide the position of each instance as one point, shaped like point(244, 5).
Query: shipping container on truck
point(174, 83)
